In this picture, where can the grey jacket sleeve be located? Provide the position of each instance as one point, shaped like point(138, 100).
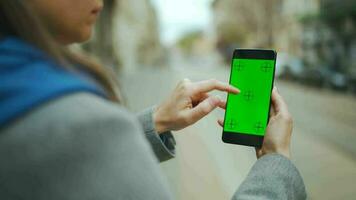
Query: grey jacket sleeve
point(272, 177)
point(163, 145)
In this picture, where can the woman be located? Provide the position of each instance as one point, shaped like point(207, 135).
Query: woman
point(64, 134)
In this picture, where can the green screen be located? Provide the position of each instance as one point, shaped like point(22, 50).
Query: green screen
point(247, 112)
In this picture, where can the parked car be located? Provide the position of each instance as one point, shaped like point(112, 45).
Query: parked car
point(337, 81)
point(324, 76)
point(351, 83)
point(313, 76)
point(289, 67)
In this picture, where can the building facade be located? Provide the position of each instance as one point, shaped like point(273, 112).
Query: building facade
point(126, 35)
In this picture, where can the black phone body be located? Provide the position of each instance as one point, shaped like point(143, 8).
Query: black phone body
point(247, 113)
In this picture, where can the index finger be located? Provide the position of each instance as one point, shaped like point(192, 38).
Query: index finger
point(212, 84)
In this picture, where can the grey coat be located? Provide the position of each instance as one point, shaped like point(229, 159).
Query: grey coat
point(84, 147)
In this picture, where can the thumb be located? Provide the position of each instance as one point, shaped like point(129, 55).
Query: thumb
point(204, 108)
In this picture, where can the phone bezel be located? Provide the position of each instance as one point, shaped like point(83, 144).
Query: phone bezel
point(244, 138)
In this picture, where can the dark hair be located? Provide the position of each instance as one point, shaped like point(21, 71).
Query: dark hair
point(17, 18)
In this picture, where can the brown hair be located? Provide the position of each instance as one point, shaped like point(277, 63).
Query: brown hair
point(18, 19)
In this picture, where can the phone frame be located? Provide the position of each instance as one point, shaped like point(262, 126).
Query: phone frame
point(245, 138)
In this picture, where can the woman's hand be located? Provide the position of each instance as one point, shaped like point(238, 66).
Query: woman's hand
point(189, 103)
point(279, 129)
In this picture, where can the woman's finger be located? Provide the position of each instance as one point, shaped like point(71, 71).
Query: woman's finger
point(258, 152)
point(196, 99)
point(272, 112)
point(221, 122)
point(278, 102)
point(209, 85)
point(203, 109)
point(222, 104)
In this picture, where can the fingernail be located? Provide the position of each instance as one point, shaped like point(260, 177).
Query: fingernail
point(235, 88)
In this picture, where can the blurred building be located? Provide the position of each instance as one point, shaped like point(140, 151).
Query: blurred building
point(289, 30)
point(329, 36)
point(126, 35)
point(321, 33)
point(245, 23)
point(266, 24)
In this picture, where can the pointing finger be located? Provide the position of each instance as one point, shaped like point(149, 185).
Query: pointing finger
point(210, 85)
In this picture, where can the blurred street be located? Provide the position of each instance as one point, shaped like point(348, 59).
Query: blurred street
point(206, 168)
point(153, 44)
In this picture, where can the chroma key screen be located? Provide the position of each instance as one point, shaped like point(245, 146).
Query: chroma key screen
point(247, 112)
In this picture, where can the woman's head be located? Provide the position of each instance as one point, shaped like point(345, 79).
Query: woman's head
point(52, 24)
point(69, 21)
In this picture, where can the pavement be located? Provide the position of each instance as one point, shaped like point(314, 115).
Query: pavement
point(323, 140)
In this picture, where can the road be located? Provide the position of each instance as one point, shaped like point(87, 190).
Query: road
point(323, 146)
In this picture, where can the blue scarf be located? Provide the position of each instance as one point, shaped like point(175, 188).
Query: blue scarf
point(29, 78)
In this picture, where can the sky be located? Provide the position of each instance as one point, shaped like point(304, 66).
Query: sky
point(177, 17)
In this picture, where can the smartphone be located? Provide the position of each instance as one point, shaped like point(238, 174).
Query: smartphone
point(247, 113)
